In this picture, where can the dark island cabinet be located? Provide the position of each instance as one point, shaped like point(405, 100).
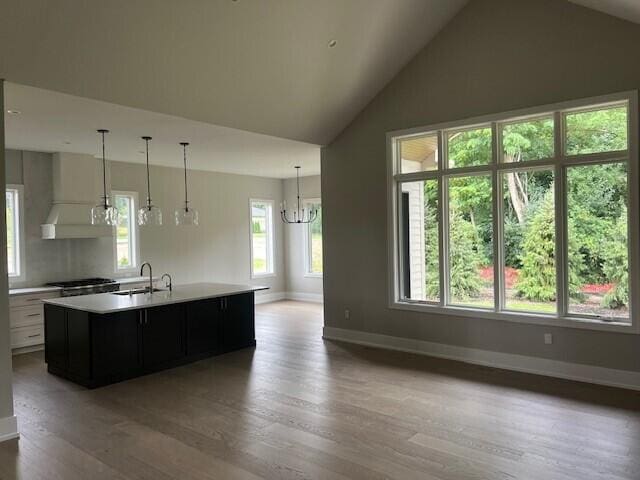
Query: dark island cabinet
point(236, 323)
point(98, 349)
point(162, 335)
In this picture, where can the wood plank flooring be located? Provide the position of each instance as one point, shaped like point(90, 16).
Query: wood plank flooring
point(298, 407)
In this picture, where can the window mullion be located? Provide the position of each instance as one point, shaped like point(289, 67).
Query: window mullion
point(496, 195)
point(562, 285)
point(443, 223)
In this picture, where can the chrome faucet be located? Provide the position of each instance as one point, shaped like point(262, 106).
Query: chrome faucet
point(170, 284)
point(150, 275)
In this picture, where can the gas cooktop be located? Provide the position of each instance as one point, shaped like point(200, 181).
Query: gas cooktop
point(86, 286)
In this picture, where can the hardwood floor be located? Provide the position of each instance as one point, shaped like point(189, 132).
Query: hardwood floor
point(297, 407)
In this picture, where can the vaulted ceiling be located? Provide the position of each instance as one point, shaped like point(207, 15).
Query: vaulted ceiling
point(259, 65)
point(626, 9)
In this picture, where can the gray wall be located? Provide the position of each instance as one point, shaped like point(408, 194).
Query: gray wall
point(297, 282)
point(217, 250)
point(495, 56)
point(6, 398)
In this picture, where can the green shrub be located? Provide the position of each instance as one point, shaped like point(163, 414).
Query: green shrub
point(615, 265)
point(464, 259)
point(537, 279)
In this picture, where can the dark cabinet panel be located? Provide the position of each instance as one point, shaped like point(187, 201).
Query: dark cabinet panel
point(162, 335)
point(78, 348)
point(203, 318)
point(55, 334)
point(237, 322)
point(116, 341)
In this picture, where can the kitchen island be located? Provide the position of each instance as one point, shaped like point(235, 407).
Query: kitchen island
point(95, 340)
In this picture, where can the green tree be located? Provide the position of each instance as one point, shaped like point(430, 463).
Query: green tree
point(464, 259)
point(616, 264)
point(537, 280)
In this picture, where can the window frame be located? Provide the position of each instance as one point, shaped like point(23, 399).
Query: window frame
point(19, 233)
point(306, 238)
point(558, 163)
point(271, 239)
point(135, 234)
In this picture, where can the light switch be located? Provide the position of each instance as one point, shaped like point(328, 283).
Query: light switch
point(548, 339)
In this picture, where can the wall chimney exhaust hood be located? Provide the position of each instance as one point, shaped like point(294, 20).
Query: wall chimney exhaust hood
point(76, 185)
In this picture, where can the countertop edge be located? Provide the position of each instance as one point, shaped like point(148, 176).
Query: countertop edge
point(160, 302)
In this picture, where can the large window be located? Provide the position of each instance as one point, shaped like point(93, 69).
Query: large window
point(261, 238)
point(15, 244)
point(520, 217)
point(313, 240)
point(126, 237)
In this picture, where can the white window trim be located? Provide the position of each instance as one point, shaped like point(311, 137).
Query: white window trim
point(306, 245)
point(135, 234)
point(271, 239)
point(571, 321)
point(21, 276)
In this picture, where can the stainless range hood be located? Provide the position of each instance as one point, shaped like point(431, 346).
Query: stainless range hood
point(76, 189)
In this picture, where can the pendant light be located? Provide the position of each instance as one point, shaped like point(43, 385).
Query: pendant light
point(299, 215)
point(186, 215)
point(103, 213)
point(149, 214)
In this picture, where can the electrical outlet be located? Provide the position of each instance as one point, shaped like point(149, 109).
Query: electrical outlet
point(548, 339)
point(347, 314)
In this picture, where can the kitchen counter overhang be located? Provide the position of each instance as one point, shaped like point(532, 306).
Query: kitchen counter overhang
point(103, 303)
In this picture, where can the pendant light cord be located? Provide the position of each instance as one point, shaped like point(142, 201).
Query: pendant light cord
point(104, 172)
point(298, 187)
point(146, 139)
point(186, 194)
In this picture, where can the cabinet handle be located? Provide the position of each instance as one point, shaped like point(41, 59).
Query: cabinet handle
point(33, 315)
point(33, 336)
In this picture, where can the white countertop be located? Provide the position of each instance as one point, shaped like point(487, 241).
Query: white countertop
point(109, 303)
point(47, 289)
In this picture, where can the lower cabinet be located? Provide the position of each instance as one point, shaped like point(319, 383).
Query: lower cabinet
point(95, 350)
point(162, 335)
point(236, 323)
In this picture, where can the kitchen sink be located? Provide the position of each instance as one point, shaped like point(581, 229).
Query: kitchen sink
point(137, 291)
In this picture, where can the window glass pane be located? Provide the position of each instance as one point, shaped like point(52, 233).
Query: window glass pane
point(527, 140)
point(420, 252)
point(603, 130)
point(261, 237)
point(11, 219)
point(598, 271)
point(315, 240)
point(419, 154)
point(468, 148)
point(471, 241)
point(529, 241)
point(124, 237)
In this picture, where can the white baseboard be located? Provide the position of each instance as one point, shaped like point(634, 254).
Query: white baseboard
point(8, 428)
point(520, 363)
point(276, 297)
point(305, 297)
point(269, 297)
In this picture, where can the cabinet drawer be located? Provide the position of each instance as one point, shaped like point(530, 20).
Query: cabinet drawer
point(26, 316)
point(27, 336)
point(32, 299)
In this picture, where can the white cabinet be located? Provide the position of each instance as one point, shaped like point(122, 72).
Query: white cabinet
point(26, 318)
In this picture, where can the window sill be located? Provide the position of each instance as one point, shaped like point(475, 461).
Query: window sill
point(526, 318)
point(263, 275)
point(312, 275)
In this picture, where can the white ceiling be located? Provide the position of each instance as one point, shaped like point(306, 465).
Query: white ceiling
point(627, 9)
point(256, 65)
point(49, 119)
